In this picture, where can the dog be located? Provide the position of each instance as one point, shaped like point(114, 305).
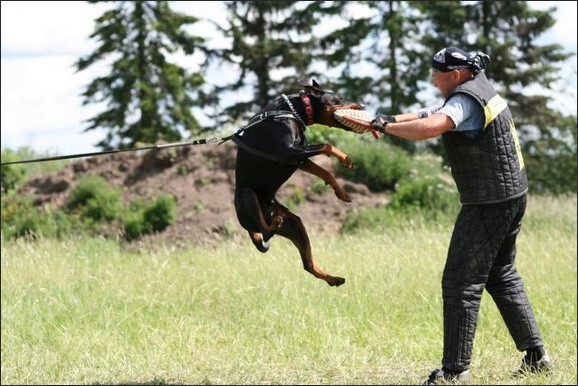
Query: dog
point(271, 147)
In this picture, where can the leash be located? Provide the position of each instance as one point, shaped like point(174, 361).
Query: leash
point(209, 140)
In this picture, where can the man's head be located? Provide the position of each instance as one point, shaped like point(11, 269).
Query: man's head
point(452, 66)
point(454, 58)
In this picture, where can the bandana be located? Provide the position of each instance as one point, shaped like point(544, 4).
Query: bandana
point(452, 58)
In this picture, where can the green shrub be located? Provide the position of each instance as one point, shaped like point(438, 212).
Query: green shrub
point(376, 164)
point(426, 193)
point(325, 134)
point(20, 218)
point(94, 200)
point(14, 176)
point(144, 218)
point(428, 186)
point(430, 193)
point(160, 213)
point(11, 177)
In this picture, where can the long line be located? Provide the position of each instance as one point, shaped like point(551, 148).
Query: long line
point(161, 146)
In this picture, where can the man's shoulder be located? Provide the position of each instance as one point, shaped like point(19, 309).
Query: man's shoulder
point(462, 99)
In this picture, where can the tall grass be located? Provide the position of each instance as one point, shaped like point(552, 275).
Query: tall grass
point(85, 311)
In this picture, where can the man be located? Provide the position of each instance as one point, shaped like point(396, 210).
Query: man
point(481, 143)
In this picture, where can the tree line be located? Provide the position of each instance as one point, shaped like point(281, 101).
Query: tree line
point(374, 52)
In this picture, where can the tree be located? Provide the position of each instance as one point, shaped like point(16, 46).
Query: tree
point(271, 48)
point(380, 55)
point(148, 98)
point(507, 31)
point(384, 58)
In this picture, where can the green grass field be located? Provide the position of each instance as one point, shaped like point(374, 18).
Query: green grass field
point(85, 311)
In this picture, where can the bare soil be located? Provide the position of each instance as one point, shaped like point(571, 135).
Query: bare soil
point(202, 179)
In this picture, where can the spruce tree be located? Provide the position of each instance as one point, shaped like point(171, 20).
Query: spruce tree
point(271, 49)
point(148, 98)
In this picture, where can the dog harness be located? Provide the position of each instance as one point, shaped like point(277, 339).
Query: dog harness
point(274, 114)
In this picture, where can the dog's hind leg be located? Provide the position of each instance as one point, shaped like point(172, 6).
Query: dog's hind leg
point(250, 215)
point(293, 229)
point(259, 241)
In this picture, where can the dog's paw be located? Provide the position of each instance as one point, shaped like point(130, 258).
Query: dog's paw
point(259, 242)
point(335, 281)
point(346, 162)
point(343, 196)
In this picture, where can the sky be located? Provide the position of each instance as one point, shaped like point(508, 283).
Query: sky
point(41, 102)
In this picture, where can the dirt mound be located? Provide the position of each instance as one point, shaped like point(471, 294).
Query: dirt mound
point(202, 179)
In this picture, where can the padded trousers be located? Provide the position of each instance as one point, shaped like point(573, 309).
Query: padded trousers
point(482, 256)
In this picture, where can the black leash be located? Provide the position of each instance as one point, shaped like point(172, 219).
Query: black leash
point(203, 141)
point(210, 140)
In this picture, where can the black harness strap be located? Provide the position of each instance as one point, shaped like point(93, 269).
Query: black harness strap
point(254, 151)
point(273, 114)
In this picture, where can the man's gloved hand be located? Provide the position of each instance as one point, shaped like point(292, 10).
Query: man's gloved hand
point(379, 122)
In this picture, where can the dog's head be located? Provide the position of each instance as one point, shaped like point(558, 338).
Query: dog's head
point(321, 104)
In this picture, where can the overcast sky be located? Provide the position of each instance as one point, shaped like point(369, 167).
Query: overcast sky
point(41, 106)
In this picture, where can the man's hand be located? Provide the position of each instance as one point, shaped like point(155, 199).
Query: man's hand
point(380, 121)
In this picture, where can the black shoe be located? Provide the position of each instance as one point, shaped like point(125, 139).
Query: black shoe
point(530, 366)
point(444, 377)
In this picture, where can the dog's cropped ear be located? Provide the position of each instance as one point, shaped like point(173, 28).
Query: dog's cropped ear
point(313, 89)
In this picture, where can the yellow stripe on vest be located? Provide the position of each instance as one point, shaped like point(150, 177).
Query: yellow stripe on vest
point(514, 134)
point(494, 107)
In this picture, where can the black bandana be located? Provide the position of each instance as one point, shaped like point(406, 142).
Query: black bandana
point(454, 58)
point(451, 58)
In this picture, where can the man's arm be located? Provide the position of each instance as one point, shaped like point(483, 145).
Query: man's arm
point(409, 126)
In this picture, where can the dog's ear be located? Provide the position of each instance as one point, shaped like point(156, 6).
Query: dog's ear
point(313, 89)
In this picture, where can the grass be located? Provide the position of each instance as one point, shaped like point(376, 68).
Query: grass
point(85, 311)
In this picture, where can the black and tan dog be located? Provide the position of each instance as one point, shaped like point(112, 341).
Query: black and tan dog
point(270, 149)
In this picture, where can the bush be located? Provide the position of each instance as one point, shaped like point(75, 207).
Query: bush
point(427, 193)
point(94, 200)
point(143, 219)
point(160, 213)
point(13, 176)
point(430, 193)
point(376, 164)
point(325, 134)
point(20, 218)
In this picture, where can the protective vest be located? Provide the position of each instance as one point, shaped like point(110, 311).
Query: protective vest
point(489, 169)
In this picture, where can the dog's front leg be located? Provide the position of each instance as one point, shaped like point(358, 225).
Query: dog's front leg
point(312, 168)
point(343, 158)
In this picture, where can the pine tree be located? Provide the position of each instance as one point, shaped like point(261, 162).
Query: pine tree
point(507, 31)
point(384, 57)
point(271, 50)
point(148, 98)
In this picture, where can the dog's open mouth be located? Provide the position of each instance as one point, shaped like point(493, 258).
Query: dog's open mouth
point(332, 118)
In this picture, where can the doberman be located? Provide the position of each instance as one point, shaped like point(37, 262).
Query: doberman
point(270, 149)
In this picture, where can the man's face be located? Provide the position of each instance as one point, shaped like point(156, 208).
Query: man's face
point(447, 81)
point(444, 81)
